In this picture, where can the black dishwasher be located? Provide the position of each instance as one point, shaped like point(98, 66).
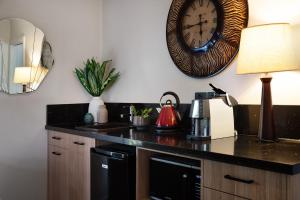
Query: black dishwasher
point(174, 178)
point(113, 172)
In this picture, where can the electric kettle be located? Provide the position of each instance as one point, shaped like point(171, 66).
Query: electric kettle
point(168, 117)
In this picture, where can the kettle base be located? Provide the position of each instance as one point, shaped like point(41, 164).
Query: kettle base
point(198, 138)
point(165, 131)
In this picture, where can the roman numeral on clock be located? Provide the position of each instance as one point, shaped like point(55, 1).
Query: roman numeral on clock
point(201, 3)
point(193, 6)
point(193, 43)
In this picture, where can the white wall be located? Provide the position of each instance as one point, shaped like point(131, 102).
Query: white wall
point(73, 27)
point(135, 38)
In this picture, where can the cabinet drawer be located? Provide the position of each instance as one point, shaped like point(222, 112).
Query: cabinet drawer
point(80, 144)
point(209, 194)
point(243, 181)
point(58, 139)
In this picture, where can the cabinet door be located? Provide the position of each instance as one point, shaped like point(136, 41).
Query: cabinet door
point(210, 194)
point(57, 173)
point(79, 167)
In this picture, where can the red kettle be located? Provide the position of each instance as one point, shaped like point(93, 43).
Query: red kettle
point(168, 116)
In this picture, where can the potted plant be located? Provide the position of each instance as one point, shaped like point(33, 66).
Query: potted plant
point(95, 79)
point(141, 117)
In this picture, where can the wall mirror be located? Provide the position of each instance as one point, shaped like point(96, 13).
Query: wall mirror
point(25, 56)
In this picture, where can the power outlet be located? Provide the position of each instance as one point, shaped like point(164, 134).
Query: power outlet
point(157, 109)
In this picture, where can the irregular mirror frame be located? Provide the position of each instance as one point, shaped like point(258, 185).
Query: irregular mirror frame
point(25, 56)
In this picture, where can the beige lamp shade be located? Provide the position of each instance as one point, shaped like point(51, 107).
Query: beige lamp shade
point(22, 75)
point(296, 40)
point(266, 48)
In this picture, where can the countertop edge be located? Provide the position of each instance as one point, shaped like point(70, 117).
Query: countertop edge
point(289, 169)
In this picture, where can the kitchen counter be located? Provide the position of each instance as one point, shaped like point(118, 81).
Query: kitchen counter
point(282, 157)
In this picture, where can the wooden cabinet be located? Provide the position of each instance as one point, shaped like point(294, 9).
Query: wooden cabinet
point(79, 167)
point(223, 181)
point(58, 139)
point(69, 175)
point(209, 194)
point(57, 170)
point(244, 182)
point(142, 174)
point(68, 166)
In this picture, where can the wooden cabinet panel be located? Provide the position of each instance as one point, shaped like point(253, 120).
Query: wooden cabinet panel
point(243, 181)
point(209, 194)
point(142, 173)
point(68, 166)
point(57, 173)
point(58, 139)
point(293, 190)
point(79, 168)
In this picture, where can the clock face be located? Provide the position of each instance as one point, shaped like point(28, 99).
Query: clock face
point(199, 23)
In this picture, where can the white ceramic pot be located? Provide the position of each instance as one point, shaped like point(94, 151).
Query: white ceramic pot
point(94, 105)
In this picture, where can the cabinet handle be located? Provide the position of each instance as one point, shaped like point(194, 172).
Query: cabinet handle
point(56, 153)
point(249, 181)
point(79, 143)
point(56, 138)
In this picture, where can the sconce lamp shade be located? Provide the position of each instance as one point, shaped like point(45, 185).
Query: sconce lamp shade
point(266, 48)
point(22, 75)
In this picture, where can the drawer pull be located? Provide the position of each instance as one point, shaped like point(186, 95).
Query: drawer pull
point(238, 179)
point(56, 153)
point(56, 138)
point(79, 143)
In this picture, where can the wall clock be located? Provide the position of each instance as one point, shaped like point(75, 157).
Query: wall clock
point(203, 36)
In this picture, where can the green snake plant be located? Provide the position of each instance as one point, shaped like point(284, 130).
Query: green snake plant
point(96, 77)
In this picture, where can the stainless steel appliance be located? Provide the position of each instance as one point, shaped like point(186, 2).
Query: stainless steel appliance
point(212, 115)
point(113, 173)
point(200, 120)
point(173, 178)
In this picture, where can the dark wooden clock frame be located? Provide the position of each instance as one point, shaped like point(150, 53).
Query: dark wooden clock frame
point(218, 53)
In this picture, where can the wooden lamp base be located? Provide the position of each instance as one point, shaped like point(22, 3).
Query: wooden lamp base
point(266, 131)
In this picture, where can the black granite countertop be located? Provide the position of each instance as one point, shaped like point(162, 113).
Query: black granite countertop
point(282, 157)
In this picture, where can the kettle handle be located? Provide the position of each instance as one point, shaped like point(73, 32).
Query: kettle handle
point(172, 94)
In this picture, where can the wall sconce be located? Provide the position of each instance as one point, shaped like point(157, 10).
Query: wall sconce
point(263, 49)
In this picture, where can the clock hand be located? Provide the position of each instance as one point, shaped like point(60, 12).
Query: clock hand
point(190, 26)
point(200, 16)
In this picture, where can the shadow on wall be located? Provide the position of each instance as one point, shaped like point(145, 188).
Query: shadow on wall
point(10, 187)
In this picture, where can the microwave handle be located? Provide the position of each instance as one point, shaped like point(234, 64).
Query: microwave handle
point(184, 187)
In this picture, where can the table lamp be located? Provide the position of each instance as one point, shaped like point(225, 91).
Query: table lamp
point(22, 76)
point(263, 49)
